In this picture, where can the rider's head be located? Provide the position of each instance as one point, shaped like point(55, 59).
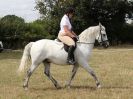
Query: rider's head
point(70, 12)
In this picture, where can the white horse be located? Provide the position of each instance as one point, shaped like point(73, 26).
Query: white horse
point(51, 51)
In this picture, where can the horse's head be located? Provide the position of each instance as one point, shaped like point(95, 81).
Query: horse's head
point(101, 36)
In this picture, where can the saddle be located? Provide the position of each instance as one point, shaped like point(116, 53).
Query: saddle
point(66, 47)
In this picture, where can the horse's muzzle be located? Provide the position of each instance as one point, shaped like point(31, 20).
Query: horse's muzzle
point(105, 44)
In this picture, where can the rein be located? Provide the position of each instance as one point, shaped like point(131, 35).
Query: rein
point(84, 42)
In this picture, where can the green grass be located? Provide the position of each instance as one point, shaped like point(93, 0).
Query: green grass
point(114, 68)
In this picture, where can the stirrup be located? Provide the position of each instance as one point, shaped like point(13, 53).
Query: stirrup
point(71, 62)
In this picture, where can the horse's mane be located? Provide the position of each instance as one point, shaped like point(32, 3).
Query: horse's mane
point(88, 33)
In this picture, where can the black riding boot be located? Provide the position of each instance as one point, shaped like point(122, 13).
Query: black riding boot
point(70, 59)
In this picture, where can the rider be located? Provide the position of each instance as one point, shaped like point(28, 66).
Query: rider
point(66, 35)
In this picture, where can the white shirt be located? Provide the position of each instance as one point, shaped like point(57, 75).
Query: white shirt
point(64, 22)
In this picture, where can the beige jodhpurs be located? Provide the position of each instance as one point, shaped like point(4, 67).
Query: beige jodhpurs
point(67, 40)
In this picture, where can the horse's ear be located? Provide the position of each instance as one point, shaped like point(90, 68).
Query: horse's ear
point(100, 24)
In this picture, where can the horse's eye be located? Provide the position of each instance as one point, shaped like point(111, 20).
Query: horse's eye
point(104, 34)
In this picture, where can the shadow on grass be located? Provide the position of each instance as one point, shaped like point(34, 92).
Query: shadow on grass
point(44, 89)
point(64, 88)
point(92, 88)
point(83, 87)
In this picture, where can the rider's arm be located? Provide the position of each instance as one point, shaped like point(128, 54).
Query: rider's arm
point(68, 32)
point(74, 33)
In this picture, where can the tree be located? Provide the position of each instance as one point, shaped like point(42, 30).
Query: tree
point(11, 26)
point(36, 30)
point(11, 30)
point(111, 13)
point(15, 33)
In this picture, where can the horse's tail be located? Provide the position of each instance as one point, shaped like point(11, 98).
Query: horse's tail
point(25, 57)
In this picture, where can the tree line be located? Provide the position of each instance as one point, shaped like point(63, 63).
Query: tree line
point(15, 32)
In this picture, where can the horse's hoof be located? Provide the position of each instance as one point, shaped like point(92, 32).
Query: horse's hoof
point(58, 86)
point(98, 85)
point(25, 87)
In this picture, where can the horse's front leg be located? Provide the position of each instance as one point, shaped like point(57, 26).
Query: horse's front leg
point(86, 66)
point(74, 70)
point(48, 74)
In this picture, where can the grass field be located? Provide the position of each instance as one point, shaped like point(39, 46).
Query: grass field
point(114, 68)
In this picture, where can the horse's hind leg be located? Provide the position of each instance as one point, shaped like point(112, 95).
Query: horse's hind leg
point(29, 73)
point(74, 70)
point(47, 73)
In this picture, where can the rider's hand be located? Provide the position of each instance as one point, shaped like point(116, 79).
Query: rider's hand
point(77, 37)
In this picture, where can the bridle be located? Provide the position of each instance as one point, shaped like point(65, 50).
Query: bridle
point(101, 35)
point(102, 41)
